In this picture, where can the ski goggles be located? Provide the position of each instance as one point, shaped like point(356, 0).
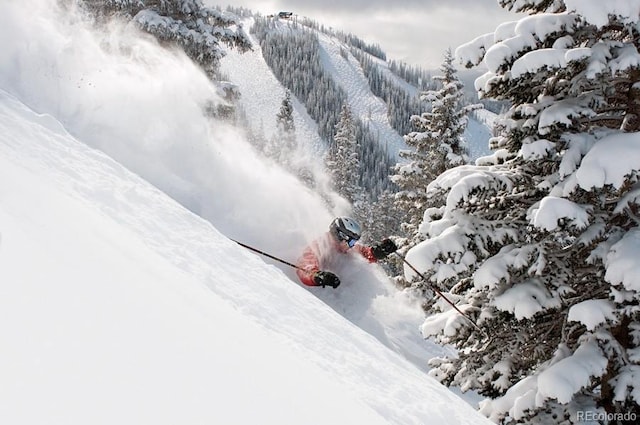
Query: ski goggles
point(351, 241)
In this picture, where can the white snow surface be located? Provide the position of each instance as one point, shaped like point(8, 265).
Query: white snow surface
point(592, 313)
point(551, 211)
point(566, 377)
point(511, 38)
point(597, 12)
point(121, 305)
point(622, 262)
point(526, 299)
point(536, 60)
point(610, 161)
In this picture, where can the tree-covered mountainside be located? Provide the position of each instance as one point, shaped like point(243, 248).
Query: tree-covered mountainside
point(402, 105)
point(294, 56)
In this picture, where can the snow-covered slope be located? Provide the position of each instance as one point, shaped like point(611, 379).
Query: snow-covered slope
point(262, 93)
point(120, 306)
point(122, 301)
point(350, 77)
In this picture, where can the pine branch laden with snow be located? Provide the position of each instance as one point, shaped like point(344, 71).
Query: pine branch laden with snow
point(539, 242)
point(199, 30)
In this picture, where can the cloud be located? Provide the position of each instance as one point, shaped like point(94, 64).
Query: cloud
point(417, 32)
point(419, 35)
point(378, 5)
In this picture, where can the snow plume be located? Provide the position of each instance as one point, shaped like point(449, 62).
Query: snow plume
point(117, 90)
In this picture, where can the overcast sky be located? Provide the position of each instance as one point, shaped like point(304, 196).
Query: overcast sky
point(413, 31)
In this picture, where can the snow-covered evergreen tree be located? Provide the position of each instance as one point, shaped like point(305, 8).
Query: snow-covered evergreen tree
point(342, 160)
point(538, 242)
point(282, 146)
point(437, 144)
point(285, 125)
point(449, 116)
point(376, 215)
point(197, 29)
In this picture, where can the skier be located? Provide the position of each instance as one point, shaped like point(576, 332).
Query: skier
point(343, 235)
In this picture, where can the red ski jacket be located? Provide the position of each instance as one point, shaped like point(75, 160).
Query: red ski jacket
point(320, 252)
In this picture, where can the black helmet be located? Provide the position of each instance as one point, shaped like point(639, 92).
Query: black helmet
point(345, 229)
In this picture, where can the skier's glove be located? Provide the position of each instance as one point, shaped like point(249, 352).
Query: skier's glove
point(326, 279)
point(383, 249)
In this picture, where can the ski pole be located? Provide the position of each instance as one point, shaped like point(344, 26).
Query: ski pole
point(266, 255)
point(437, 291)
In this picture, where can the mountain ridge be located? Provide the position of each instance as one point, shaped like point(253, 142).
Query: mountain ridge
point(347, 72)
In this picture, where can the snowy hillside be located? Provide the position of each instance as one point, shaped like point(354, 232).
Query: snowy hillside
point(120, 306)
point(262, 94)
point(122, 298)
